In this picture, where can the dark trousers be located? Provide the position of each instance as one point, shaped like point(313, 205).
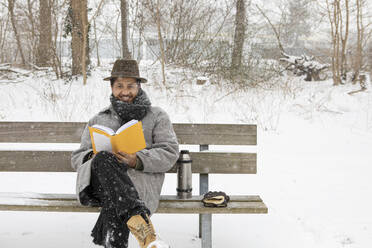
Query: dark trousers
point(112, 189)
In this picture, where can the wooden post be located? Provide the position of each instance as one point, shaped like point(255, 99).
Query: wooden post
point(205, 220)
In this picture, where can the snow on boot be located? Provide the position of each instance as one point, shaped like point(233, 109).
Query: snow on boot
point(158, 243)
point(142, 228)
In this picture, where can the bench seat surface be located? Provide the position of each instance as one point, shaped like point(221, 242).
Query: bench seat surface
point(238, 204)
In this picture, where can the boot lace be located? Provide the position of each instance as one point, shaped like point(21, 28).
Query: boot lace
point(143, 231)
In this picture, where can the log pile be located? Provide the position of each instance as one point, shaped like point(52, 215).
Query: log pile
point(304, 65)
point(12, 74)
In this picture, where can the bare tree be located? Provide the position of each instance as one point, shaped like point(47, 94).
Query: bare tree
point(44, 53)
point(194, 33)
point(334, 17)
point(57, 34)
point(344, 35)
point(14, 25)
point(96, 42)
point(85, 50)
point(78, 16)
point(275, 30)
point(138, 21)
point(86, 24)
point(124, 29)
point(112, 28)
point(154, 7)
point(297, 24)
point(4, 26)
point(99, 28)
point(239, 36)
point(358, 62)
point(370, 59)
point(29, 29)
point(160, 37)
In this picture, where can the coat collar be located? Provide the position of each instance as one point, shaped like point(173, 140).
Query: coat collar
point(107, 110)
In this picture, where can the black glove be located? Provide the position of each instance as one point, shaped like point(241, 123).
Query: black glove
point(215, 199)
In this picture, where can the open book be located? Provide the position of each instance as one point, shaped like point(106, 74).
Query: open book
point(128, 138)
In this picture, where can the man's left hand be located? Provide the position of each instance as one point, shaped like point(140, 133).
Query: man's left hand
point(129, 159)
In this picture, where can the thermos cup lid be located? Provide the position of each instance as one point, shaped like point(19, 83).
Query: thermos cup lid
point(184, 157)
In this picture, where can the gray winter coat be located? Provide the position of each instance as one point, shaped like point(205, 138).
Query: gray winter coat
point(160, 154)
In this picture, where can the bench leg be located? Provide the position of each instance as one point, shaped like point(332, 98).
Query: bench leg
point(206, 230)
point(205, 220)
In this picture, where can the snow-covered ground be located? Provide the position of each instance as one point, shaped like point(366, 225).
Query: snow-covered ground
point(314, 161)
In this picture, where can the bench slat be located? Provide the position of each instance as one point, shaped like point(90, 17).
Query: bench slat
point(216, 134)
point(197, 207)
point(168, 204)
point(72, 197)
point(59, 161)
point(70, 132)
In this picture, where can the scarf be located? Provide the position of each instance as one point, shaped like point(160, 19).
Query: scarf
point(128, 111)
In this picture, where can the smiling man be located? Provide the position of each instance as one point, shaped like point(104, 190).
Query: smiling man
point(125, 89)
point(126, 186)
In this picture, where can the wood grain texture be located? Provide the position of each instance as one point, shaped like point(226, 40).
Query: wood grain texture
point(41, 132)
point(216, 134)
point(168, 204)
point(70, 132)
point(73, 197)
point(60, 161)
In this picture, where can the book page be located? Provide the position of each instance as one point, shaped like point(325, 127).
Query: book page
point(102, 142)
point(131, 140)
point(105, 129)
point(126, 125)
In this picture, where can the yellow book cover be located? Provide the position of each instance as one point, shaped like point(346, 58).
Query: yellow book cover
point(128, 138)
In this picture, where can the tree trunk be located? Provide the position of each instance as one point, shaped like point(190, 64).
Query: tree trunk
point(124, 29)
point(334, 19)
point(315, 75)
point(79, 11)
point(275, 30)
point(55, 57)
point(45, 38)
point(96, 41)
point(85, 43)
point(344, 39)
point(337, 36)
point(370, 59)
point(359, 59)
point(308, 76)
point(3, 35)
point(239, 35)
point(13, 21)
point(33, 40)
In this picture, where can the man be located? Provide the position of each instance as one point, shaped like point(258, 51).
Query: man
point(126, 186)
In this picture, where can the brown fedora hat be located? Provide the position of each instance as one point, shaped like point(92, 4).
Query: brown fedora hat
point(125, 68)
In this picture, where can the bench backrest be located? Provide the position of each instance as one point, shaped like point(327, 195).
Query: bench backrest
point(70, 132)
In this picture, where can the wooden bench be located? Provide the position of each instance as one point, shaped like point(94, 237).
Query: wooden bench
point(205, 162)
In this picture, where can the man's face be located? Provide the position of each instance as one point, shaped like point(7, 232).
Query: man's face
point(125, 89)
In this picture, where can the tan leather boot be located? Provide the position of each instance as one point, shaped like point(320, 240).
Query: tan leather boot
point(143, 230)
